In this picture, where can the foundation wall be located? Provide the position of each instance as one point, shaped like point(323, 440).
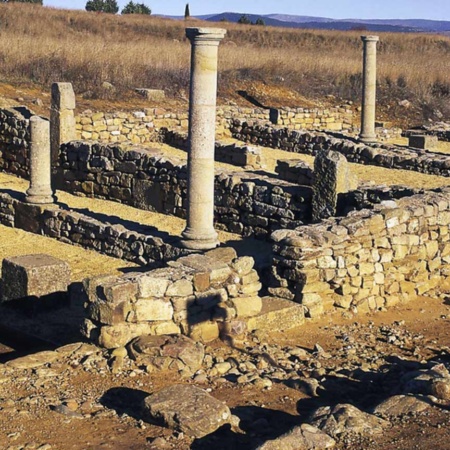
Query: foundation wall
point(140, 127)
point(247, 204)
point(75, 228)
point(197, 296)
point(309, 143)
point(367, 260)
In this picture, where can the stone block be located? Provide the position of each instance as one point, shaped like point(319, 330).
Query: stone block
point(149, 286)
point(423, 141)
point(153, 309)
point(247, 306)
point(33, 276)
point(332, 176)
point(151, 94)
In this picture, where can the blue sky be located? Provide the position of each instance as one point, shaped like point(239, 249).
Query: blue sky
point(339, 9)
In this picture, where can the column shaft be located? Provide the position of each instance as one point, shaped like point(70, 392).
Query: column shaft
point(369, 89)
point(62, 118)
point(199, 233)
point(40, 191)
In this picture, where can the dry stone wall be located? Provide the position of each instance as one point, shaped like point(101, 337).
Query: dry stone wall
point(80, 229)
point(332, 119)
point(200, 296)
point(367, 260)
point(235, 154)
point(246, 203)
point(14, 142)
point(140, 127)
point(310, 143)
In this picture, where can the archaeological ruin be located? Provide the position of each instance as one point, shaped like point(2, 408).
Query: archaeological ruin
point(263, 244)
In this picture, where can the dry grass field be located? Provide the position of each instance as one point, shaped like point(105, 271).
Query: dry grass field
point(42, 45)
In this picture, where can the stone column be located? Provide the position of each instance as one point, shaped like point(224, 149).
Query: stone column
point(369, 89)
point(40, 191)
point(62, 118)
point(199, 233)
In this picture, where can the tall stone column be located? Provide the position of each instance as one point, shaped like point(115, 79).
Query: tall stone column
point(369, 89)
point(62, 117)
point(40, 191)
point(199, 233)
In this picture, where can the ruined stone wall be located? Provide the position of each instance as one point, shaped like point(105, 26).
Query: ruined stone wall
point(90, 232)
point(332, 119)
point(368, 260)
point(140, 127)
point(235, 154)
point(14, 142)
point(246, 203)
point(199, 296)
point(389, 156)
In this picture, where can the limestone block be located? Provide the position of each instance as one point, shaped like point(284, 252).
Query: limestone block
point(204, 331)
point(153, 309)
point(33, 276)
point(332, 176)
point(247, 306)
point(151, 94)
point(181, 288)
point(423, 141)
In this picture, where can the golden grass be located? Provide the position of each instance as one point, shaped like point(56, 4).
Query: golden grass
point(43, 45)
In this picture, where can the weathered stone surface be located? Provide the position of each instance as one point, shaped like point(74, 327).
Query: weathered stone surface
point(303, 437)
point(33, 275)
point(401, 405)
point(344, 418)
point(153, 309)
point(187, 409)
point(36, 360)
point(247, 306)
point(332, 176)
point(160, 353)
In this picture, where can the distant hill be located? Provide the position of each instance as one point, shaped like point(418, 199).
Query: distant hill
point(313, 22)
point(294, 21)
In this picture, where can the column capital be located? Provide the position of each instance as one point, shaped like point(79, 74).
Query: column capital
point(212, 35)
point(370, 38)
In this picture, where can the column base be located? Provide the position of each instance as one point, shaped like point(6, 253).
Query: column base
point(368, 139)
point(40, 199)
point(199, 241)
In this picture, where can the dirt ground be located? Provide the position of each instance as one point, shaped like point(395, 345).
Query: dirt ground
point(105, 412)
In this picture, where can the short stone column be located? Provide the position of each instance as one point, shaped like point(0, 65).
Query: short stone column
point(199, 233)
point(40, 191)
point(62, 117)
point(369, 89)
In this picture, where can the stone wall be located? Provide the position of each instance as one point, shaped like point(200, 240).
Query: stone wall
point(235, 154)
point(90, 232)
point(332, 119)
point(246, 203)
point(367, 260)
point(199, 296)
point(14, 141)
point(389, 156)
point(140, 127)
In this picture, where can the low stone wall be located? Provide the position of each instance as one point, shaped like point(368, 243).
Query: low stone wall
point(200, 296)
point(80, 229)
point(247, 204)
point(235, 154)
point(331, 119)
point(295, 171)
point(139, 127)
point(442, 133)
point(310, 143)
point(14, 141)
point(368, 260)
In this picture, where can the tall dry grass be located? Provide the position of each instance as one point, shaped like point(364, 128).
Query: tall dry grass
point(44, 45)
